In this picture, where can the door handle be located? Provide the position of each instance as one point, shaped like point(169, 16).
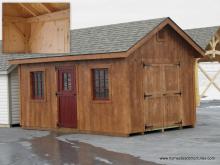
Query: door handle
point(57, 94)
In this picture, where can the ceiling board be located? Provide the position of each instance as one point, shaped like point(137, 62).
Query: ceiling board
point(28, 10)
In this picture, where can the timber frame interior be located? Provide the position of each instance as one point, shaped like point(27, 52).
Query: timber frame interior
point(213, 49)
point(36, 27)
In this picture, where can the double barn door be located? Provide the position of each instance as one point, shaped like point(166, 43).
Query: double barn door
point(162, 96)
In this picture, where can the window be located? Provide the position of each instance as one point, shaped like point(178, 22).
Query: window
point(67, 82)
point(37, 85)
point(161, 35)
point(100, 84)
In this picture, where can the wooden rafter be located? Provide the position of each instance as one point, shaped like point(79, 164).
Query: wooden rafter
point(211, 52)
point(14, 19)
point(45, 8)
point(28, 9)
point(63, 14)
point(213, 43)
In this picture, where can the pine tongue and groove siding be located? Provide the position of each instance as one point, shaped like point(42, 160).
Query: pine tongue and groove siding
point(14, 97)
point(4, 106)
point(39, 113)
point(172, 50)
point(92, 116)
point(107, 117)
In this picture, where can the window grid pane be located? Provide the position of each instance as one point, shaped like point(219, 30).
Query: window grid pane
point(37, 85)
point(67, 82)
point(100, 84)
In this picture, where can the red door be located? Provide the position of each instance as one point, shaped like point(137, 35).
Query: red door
point(67, 97)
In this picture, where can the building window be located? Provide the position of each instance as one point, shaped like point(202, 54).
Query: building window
point(161, 35)
point(37, 85)
point(100, 84)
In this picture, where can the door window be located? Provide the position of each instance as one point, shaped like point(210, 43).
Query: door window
point(67, 83)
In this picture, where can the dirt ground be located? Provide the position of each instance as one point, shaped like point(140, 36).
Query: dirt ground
point(196, 146)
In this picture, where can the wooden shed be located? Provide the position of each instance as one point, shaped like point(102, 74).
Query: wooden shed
point(118, 79)
point(36, 27)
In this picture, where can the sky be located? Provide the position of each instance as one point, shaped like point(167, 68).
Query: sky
point(186, 13)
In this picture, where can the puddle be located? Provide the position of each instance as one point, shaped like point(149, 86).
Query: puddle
point(57, 152)
point(48, 150)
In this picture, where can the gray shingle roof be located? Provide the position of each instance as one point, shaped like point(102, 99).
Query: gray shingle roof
point(202, 36)
point(111, 38)
point(4, 65)
point(104, 39)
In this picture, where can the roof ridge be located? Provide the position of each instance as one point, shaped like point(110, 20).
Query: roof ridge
point(203, 27)
point(114, 24)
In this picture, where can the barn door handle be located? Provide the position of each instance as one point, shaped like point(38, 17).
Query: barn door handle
point(57, 93)
point(148, 126)
point(146, 65)
point(145, 95)
point(179, 123)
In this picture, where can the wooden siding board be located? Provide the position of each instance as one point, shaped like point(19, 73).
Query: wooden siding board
point(172, 51)
point(111, 116)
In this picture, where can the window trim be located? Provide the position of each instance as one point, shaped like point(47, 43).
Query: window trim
point(94, 85)
point(100, 101)
point(43, 99)
point(164, 34)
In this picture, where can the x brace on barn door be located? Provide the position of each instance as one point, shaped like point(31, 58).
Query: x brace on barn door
point(211, 80)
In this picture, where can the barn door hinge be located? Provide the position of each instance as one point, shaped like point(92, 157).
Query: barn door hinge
point(148, 126)
point(146, 65)
point(145, 96)
point(178, 93)
point(179, 123)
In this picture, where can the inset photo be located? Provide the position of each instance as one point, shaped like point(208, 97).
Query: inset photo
point(36, 27)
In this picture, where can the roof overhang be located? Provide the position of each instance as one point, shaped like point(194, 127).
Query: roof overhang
point(9, 70)
point(70, 58)
point(164, 23)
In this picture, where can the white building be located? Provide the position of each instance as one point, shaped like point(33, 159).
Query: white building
point(9, 93)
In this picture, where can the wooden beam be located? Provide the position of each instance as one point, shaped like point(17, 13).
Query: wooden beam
point(19, 31)
point(27, 9)
point(70, 58)
point(36, 31)
point(64, 14)
point(27, 37)
point(45, 8)
point(211, 52)
point(13, 19)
